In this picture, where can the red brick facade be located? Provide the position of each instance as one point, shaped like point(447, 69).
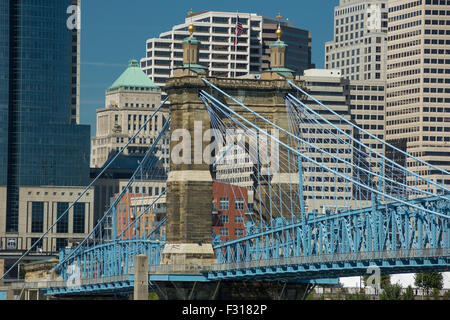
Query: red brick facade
point(230, 208)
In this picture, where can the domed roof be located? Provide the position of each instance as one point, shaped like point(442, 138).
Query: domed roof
point(133, 77)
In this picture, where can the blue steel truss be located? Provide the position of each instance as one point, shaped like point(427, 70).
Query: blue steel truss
point(399, 232)
point(400, 228)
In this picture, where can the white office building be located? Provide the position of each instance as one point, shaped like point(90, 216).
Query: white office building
point(359, 45)
point(216, 32)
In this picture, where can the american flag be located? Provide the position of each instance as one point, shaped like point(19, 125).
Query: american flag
point(238, 31)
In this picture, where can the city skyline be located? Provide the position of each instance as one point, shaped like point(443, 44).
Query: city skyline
point(103, 58)
point(188, 186)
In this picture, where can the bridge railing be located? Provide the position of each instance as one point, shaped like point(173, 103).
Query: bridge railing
point(178, 268)
point(335, 258)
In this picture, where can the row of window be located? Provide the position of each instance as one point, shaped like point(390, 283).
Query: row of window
point(403, 111)
point(367, 98)
point(406, 6)
point(366, 107)
point(402, 64)
point(37, 217)
point(225, 232)
point(367, 117)
point(436, 129)
point(224, 203)
point(436, 119)
point(402, 130)
point(403, 102)
point(404, 26)
point(225, 219)
point(403, 45)
point(437, 22)
point(405, 35)
point(394, 75)
point(437, 41)
point(438, 139)
point(403, 121)
point(406, 15)
point(436, 100)
point(146, 190)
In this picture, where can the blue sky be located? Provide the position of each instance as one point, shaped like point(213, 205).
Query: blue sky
point(115, 31)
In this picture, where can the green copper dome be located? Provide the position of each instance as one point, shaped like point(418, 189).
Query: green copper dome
point(134, 79)
point(278, 44)
point(191, 40)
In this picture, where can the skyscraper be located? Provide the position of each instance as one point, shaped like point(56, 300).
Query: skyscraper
point(359, 45)
point(76, 60)
point(418, 82)
point(216, 31)
point(39, 147)
point(130, 101)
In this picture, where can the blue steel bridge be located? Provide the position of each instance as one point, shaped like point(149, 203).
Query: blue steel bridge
point(331, 207)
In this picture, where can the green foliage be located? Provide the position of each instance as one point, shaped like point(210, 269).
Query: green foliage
point(356, 296)
point(436, 295)
point(153, 296)
point(409, 294)
point(391, 292)
point(339, 295)
point(430, 280)
point(310, 296)
point(446, 296)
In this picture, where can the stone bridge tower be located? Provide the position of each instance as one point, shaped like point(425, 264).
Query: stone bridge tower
point(189, 184)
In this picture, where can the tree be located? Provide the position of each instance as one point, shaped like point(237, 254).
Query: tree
point(356, 296)
point(409, 294)
point(430, 280)
point(391, 292)
point(385, 280)
point(446, 295)
point(436, 295)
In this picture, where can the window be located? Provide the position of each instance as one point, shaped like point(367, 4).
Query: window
point(79, 217)
point(39, 245)
point(61, 243)
point(224, 231)
point(224, 204)
point(37, 217)
point(239, 204)
point(239, 219)
point(224, 219)
point(238, 232)
point(63, 225)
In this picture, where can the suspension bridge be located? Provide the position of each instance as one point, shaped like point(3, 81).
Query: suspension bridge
point(368, 211)
point(318, 203)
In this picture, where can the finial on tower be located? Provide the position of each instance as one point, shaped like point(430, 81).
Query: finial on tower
point(191, 27)
point(279, 32)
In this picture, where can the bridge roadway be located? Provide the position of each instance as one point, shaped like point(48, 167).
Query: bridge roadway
point(308, 269)
point(109, 268)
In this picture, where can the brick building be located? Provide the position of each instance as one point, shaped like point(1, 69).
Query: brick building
point(230, 211)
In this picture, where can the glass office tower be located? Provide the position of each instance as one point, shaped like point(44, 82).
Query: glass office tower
point(4, 84)
point(38, 145)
